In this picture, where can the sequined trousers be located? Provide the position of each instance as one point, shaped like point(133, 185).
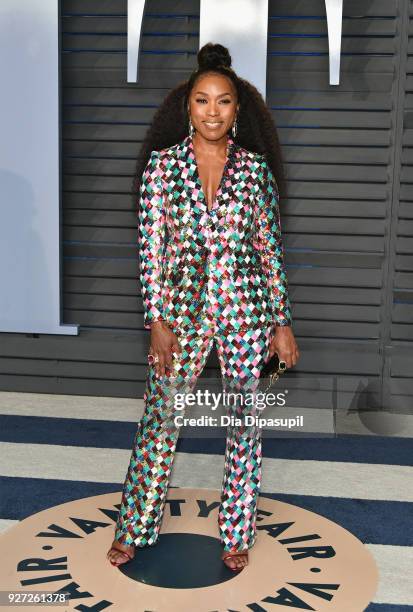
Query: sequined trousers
point(241, 355)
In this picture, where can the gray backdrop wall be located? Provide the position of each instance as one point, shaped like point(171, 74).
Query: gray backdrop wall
point(347, 224)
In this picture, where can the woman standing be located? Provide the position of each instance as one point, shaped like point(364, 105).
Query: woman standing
point(211, 269)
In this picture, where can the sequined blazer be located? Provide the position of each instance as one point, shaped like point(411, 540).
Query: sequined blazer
point(226, 264)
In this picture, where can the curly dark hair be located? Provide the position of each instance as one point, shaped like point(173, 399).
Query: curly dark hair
point(256, 130)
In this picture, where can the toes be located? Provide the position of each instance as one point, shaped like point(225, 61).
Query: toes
point(241, 561)
point(237, 562)
point(115, 556)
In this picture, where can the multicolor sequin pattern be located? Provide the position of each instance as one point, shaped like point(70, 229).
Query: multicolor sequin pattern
point(145, 488)
point(225, 264)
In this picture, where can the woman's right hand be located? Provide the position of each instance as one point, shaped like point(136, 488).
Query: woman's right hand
point(164, 343)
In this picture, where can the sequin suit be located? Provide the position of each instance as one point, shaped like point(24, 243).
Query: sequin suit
point(213, 275)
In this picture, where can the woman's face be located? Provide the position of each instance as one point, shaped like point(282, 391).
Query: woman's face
point(213, 105)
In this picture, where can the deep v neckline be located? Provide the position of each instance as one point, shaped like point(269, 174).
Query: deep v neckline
point(198, 178)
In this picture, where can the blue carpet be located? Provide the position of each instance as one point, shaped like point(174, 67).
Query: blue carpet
point(114, 434)
point(376, 522)
point(373, 607)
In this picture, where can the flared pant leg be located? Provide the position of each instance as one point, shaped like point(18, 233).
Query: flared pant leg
point(241, 356)
point(147, 479)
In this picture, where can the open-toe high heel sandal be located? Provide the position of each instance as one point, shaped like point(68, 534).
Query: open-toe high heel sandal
point(231, 555)
point(123, 552)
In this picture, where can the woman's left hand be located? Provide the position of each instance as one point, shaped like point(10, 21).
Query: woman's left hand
point(284, 344)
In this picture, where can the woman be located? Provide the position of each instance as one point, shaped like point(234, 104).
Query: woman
point(211, 269)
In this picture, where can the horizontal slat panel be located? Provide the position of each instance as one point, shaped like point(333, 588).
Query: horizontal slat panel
point(338, 277)
point(404, 263)
point(305, 225)
point(147, 97)
point(121, 184)
point(136, 133)
point(99, 387)
point(324, 208)
point(352, 8)
point(338, 153)
point(403, 313)
point(178, 35)
point(126, 312)
point(297, 118)
point(114, 150)
point(304, 172)
point(404, 244)
point(182, 60)
point(406, 210)
point(152, 76)
point(317, 327)
point(320, 242)
point(403, 280)
point(106, 250)
point(91, 286)
point(129, 304)
point(106, 346)
point(405, 228)
point(402, 332)
point(75, 369)
point(401, 361)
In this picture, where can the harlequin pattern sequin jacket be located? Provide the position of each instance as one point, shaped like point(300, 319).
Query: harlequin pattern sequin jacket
point(225, 265)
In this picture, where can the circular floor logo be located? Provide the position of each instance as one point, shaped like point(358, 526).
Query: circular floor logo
point(301, 560)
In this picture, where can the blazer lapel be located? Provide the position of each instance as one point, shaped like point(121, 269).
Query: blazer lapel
point(192, 183)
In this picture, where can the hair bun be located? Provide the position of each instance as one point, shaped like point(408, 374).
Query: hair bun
point(213, 55)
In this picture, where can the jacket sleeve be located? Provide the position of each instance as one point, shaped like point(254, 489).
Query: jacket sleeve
point(151, 240)
point(270, 245)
